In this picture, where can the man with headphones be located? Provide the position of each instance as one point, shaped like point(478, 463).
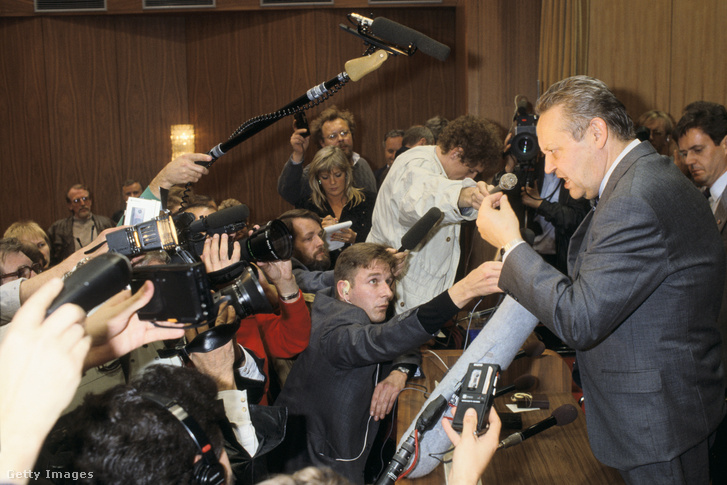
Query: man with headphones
point(330, 387)
point(164, 427)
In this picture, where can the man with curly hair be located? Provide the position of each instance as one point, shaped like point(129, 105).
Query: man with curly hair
point(439, 176)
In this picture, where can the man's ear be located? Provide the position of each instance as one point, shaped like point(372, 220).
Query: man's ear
point(343, 287)
point(599, 130)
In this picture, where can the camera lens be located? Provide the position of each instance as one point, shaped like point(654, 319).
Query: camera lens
point(271, 242)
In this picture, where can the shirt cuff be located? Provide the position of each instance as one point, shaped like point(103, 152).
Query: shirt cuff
point(237, 410)
point(250, 369)
point(509, 249)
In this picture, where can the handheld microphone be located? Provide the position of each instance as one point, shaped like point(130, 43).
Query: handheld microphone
point(217, 222)
point(534, 349)
point(507, 182)
point(522, 383)
point(420, 229)
point(395, 33)
point(565, 414)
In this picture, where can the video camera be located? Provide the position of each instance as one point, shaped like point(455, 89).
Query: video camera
point(524, 143)
point(183, 291)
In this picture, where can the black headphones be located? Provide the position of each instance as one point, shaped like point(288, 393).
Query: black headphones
point(208, 470)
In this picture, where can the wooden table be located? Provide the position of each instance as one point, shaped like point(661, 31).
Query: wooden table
point(559, 455)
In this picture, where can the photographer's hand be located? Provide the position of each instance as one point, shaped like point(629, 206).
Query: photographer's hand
point(280, 274)
point(40, 369)
point(180, 171)
point(218, 363)
point(531, 196)
point(215, 253)
point(472, 453)
point(116, 330)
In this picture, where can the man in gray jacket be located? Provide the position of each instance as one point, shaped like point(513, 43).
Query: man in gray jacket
point(329, 390)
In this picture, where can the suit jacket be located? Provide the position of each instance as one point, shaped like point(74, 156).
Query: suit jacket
point(640, 307)
point(329, 389)
point(720, 215)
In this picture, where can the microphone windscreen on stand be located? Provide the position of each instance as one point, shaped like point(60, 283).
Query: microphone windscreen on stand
point(522, 383)
point(497, 343)
point(565, 414)
point(534, 349)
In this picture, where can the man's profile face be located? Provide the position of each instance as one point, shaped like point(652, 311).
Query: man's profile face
point(80, 203)
point(571, 160)
point(705, 160)
point(11, 263)
point(391, 146)
point(133, 190)
point(331, 134)
point(371, 290)
point(456, 169)
point(309, 247)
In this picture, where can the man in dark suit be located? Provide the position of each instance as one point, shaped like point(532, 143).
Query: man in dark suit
point(702, 137)
point(333, 419)
point(646, 271)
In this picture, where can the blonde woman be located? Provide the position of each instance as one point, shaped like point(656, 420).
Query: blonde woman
point(335, 199)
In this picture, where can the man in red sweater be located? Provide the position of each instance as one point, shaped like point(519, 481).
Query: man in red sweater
point(267, 335)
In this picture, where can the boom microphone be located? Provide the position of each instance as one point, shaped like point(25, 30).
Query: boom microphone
point(420, 229)
point(522, 383)
point(395, 33)
point(217, 222)
point(534, 349)
point(565, 414)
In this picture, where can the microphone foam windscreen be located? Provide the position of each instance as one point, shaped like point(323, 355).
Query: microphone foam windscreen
point(231, 215)
point(565, 414)
point(523, 383)
point(419, 230)
point(395, 33)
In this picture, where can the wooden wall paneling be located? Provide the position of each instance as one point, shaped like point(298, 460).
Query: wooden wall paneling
point(630, 50)
point(23, 117)
point(698, 39)
point(503, 39)
point(285, 54)
point(80, 57)
point(241, 66)
point(152, 91)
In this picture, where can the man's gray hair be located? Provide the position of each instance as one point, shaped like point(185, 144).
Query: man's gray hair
point(583, 98)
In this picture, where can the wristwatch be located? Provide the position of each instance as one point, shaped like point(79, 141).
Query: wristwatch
point(403, 369)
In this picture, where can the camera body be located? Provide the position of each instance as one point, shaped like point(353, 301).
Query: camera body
point(524, 144)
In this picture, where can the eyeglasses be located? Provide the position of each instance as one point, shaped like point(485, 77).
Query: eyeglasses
point(79, 199)
point(24, 271)
point(342, 134)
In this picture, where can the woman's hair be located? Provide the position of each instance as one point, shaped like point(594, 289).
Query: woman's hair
point(26, 229)
point(328, 159)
